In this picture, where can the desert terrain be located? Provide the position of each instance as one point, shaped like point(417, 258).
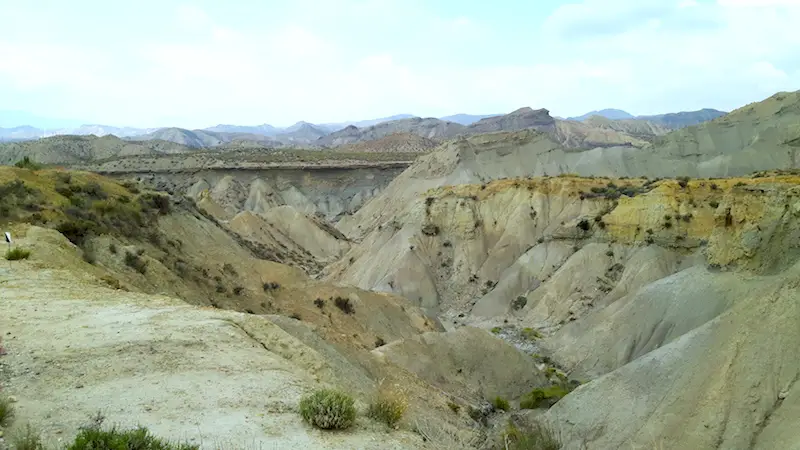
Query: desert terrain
point(518, 282)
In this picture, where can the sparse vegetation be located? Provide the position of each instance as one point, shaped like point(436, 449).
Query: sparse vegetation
point(501, 404)
point(7, 412)
point(136, 262)
point(319, 303)
point(17, 253)
point(344, 304)
point(93, 437)
point(328, 409)
point(534, 437)
point(543, 397)
point(612, 192)
point(455, 407)
point(430, 229)
point(29, 439)
point(379, 342)
point(270, 286)
point(27, 163)
point(388, 407)
point(519, 302)
point(531, 334)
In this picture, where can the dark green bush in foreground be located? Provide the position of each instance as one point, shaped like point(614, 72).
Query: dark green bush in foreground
point(94, 438)
point(328, 409)
point(17, 253)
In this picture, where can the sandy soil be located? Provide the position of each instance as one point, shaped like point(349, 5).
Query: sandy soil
point(216, 378)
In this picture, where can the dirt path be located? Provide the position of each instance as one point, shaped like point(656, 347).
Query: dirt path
point(215, 378)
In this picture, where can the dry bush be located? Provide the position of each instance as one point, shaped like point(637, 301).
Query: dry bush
point(389, 405)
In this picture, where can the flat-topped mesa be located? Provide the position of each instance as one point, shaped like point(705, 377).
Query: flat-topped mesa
point(523, 118)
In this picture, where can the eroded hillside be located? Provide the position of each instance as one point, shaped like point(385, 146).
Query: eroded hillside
point(762, 136)
point(625, 297)
point(109, 260)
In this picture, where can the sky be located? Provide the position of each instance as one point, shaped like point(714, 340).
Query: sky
point(195, 64)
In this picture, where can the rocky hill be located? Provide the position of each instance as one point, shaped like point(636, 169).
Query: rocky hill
point(671, 121)
point(203, 138)
point(684, 118)
point(609, 272)
point(78, 149)
point(429, 128)
point(609, 113)
point(303, 133)
point(520, 119)
point(760, 136)
point(393, 143)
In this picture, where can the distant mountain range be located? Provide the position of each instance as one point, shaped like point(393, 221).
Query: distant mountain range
point(342, 133)
point(671, 120)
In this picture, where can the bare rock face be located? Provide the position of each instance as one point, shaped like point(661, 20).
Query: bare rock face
point(468, 360)
point(521, 119)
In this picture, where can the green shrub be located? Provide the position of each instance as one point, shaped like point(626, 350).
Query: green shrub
point(534, 437)
point(328, 409)
point(531, 334)
point(27, 163)
point(135, 262)
point(17, 253)
point(6, 412)
point(94, 438)
point(388, 407)
point(543, 397)
point(519, 302)
point(344, 304)
point(496, 330)
point(501, 404)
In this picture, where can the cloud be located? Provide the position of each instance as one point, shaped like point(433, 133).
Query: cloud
point(759, 3)
point(191, 17)
point(355, 59)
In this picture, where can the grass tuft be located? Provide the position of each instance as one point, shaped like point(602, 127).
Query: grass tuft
point(534, 437)
point(6, 412)
point(27, 439)
point(17, 253)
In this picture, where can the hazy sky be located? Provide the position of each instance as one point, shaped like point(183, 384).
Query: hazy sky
point(200, 63)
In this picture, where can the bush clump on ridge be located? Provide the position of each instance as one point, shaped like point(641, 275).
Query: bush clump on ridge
point(27, 163)
point(328, 409)
point(17, 253)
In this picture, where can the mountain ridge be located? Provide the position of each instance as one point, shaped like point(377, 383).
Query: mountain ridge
point(18, 131)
